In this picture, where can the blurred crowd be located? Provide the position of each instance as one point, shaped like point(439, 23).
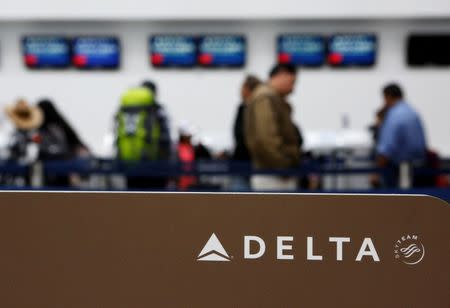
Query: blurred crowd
point(265, 137)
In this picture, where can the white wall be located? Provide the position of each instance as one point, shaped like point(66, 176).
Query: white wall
point(209, 98)
point(229, 9)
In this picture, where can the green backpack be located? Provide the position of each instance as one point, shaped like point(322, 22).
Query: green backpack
point(138, 128)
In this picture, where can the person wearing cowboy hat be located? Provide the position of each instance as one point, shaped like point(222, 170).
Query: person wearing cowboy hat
point(24, 116)
point(45, 130)
point(27, 119)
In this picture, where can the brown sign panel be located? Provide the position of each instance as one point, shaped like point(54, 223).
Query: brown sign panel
point(222, 250)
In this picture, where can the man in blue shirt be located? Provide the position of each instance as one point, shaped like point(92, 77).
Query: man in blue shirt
point(401, 136)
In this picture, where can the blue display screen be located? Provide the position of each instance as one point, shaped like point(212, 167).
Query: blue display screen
point(352, 50)
point(96, 52)
point(222, 50)
point(301, 49)
point(46, 51)
point(173, 50)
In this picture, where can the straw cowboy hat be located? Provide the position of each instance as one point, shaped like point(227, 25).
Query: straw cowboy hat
point(24, 116)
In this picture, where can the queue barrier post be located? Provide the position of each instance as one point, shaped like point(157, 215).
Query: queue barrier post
point(37, 174)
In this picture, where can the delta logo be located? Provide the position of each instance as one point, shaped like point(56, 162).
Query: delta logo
point(255, 248)
point(213, 251)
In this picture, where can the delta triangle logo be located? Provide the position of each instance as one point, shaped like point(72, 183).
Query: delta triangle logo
point(213, 251)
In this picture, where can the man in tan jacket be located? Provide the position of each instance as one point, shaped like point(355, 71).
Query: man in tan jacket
point(272, 137)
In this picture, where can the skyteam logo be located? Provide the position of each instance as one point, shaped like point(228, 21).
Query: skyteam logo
point(213, 251)
point(409, 249)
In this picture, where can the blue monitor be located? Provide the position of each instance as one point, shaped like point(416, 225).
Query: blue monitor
point(352, 50)
point(45, 51)
point(222, 51)
point(96, 52)
point(172, 50)
point(301, 49)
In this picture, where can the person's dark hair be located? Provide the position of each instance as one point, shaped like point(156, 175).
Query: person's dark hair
point(393, 90)
point(251, 82)
point(282, 68)
point(52, 116)
point(150, 85)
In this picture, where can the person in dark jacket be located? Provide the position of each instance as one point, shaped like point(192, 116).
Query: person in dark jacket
point(163, 119)
point(241, 153)
point(58, 141)
point(165, 145)
point(272, 137)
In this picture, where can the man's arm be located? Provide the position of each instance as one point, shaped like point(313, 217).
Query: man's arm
point(386, 147)
point(388, 142)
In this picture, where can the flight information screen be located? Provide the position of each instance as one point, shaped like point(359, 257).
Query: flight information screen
point(173, 50)
point(46, 52)
point(428, 49)
point(352, 50)
point(96, 52)
point(222, 51)
point(301, 49)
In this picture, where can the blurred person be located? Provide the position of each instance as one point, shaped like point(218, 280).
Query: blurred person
point(163, 120)
point(26, 119)
point(272, 138)
point(202, 152)
point(401, 136)
point(54, 138)
point(59, 141)
point(165, 141)
point(376, 126)
point(241, 153)
point(22, 144)
point(186, 155)
point(142, 135)
point(190, 150)
point(374, 129)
